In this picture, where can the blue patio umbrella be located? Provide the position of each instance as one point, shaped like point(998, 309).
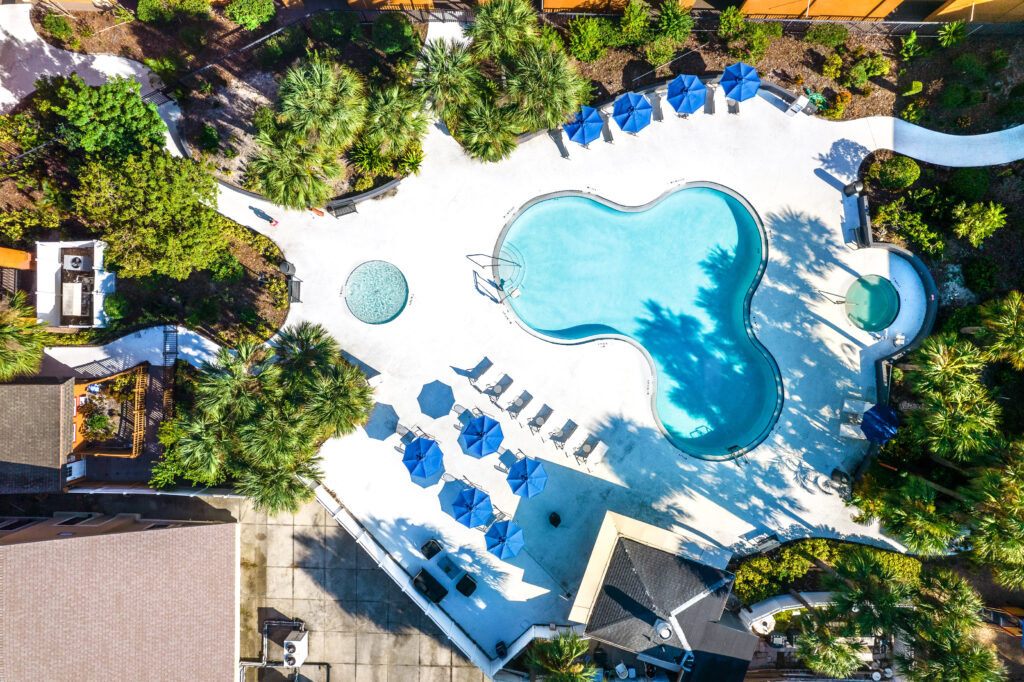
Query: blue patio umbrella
point(632, 112)
point(880, 423)
point(504, 539)
point(585, 126)
point(740, 81)
point(481, 436)
point(422, 457)
point(527, 477)
point(472, 507)
point(686, 94)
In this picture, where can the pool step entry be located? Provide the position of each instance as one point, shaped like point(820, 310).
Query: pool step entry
point(511, 271)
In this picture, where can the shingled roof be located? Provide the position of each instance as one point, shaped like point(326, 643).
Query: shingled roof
point(37, 423)
point(147, 606)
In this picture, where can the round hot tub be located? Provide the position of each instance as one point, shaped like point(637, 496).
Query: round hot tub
point(872, 303)
point(376, 292)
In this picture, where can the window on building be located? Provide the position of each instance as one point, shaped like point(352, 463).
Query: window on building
point(15, 524)
point(73, 521)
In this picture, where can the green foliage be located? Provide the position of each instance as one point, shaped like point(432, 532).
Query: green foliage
point(560, 658)
point(910, 47)
point(394, 119)
point(752, 43)
point(833, 66)
point(194, 36)
point(586, 38)
point(488, 132)
point(265, 120)
point(914, 88)
point(168, 66)
point(822, 649)
point(898, 172)
point(963, 426)
point(674, 22)
point(323, 103)
point(829, 35)
point(290, 172)
point(970, 67)
point(981, 275)
point(865, 68)
point(1004, 329)
point(21, 223)
point(970, 184)
point(369, 161)
point(946, 363)
point(953, 33)
point(336, 28)
point(954, 95)
point(116, 306)
point(501, 28)
point(111, 118)
point(546, 87)
point(209, 139)
point(998, 60)
point(227, 268)
point(914, 112)
point(660, 51)
point(393, 34)
point(57, 26)
point(22, 339)
point(281, 48)
point(447, 76)
point(550, 38)
point(250, 14)
point(635, 25)
point(910, 225)
point(732, 23)
point(837, 107)
point(21, 130)
point(163, 11)
point(975, 222)
point(153, 210)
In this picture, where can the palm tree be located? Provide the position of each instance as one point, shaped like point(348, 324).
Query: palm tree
point(394, 119)
point(824, 651)
point(302, 349)
point(997, 518)
point(946, 598)
point(323, 102)
point(274, 440)
point(1010, 576)
point(961, 425)
point(447, 76)
point(290, 172)
point(503, 27)
point(339, 400)
point(488, 132)
point(916, 520)
point(201, 448)
point(234, 387)
point(946, 362)
point(22, 339)
point(546, 86)
point(870, 592)
point(942, 653)
point(1004, 325)
point(558, 658)
point(277, 490)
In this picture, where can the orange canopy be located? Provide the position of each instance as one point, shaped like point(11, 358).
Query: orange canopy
point(13, 258)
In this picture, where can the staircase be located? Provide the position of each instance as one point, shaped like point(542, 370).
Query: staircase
point(170, 344)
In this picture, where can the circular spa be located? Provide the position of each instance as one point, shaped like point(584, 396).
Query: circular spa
point(675, 278)
point(872, 303)
point(376, 292)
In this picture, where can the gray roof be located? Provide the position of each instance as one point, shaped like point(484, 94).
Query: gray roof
point(37, 423)
point(643, 584)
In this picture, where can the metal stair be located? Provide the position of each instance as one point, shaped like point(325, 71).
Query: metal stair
point(170, 344)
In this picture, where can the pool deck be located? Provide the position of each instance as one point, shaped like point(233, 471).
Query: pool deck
point(791, 170)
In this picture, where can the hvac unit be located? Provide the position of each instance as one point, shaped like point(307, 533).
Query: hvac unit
point(296, 648)
point(79, 263)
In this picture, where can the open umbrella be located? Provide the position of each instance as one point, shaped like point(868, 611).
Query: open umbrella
point(740, 81)
point(632, 112)
point(585, 126)
point(527, 477)
point(422, 457)
point(473, 507)
point(504, 539)
point(686, 94)
point(880, 423)
point(481, 436)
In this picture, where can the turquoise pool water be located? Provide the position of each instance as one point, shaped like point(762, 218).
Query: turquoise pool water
point(376, 292)
point(674, 278)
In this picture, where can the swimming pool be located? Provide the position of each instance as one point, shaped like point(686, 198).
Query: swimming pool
point(675, 277)
point(872, 303)
point(376, 292)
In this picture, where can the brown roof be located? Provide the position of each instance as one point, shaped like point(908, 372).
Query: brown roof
point(37, 424)
point(154, 605)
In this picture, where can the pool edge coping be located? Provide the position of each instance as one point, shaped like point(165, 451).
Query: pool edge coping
point(751, 333)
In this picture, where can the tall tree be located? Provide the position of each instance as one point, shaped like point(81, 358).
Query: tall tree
point(997, 519)
point(546, 86)
point(559, 658)
point(323, 102)
point(447, 76)
point(823, 649)
point(154, 210)
point(1004, 328)
point(291, 173)
point(394, 119)
point(22, 339)
point(871, 593)
point(488, 131)
point(918, 522)
point(502, 28)
point(945, 363)
point(961, 425)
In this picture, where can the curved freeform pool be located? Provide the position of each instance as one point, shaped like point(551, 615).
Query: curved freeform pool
point(675, 277)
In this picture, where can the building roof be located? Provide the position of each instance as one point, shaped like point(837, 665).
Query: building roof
point(150, 605)
point(36, 420)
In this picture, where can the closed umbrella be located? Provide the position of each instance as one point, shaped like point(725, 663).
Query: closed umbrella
point(880, 424)
point(473, 508)
point(585, 126)
point(422, 457)
point(527, 477)
point(740, 81)
point(481, 436)
point(505, 539)
point(632, 112)
point(686, 94)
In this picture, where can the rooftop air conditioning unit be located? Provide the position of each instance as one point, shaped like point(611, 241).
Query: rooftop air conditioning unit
point(76, 263)
point(663, 629)
point(296, 648)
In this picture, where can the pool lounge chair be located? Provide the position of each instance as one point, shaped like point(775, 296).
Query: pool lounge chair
point(586, 448)
point(541, 418)
point(515, 408)
point(463, 415)
point(560, 436)
point(498, 388)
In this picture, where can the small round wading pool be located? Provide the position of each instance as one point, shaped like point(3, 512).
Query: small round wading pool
point(376, 292)
point(872, 303)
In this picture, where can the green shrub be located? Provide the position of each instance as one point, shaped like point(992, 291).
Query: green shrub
point(116, 306)
point(905, 569)
point(265, 120)
point(227, 269)
point(970, 66)
point(660, 51)
point(336, 28)
point(953, 96)
point(635, 25)
point(163, 11)
point(914, 112)
point(57, 26)
point(829, 35)
point(194, 36)
point(586, 38)
point(909, 47)
point(970, 183)
point(998, 60)
point(282, 47)
point(877, 65)
point(981, 274)
point(976, 222)
point(674, 22)
point(833, 66)
point(857, 76)
point(369, 161)
point(550, 38)
point(732, 23)
point(910, 225)
point(209, 139)
point(899, 172)
point(169, 66)
point(837, 107)
point(394, 35)
point(362, 183)
point(250, 14)
point(914, 88)
point(953, 33)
